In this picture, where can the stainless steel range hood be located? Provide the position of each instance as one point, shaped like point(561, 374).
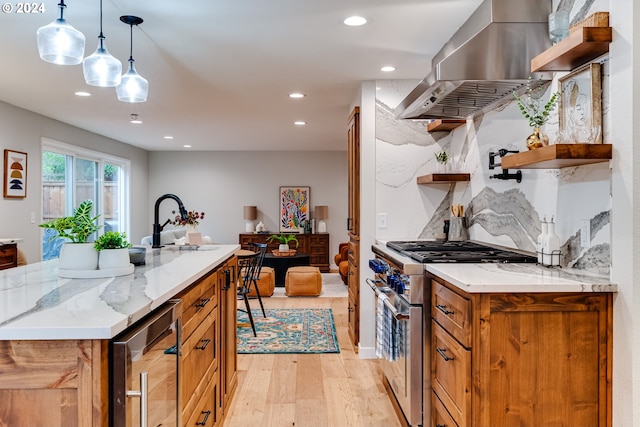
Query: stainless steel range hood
point(486, 59)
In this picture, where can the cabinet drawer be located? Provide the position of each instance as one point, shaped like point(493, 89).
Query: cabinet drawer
point(439, 415)
point(199, 353)
point(452, 312)
point(353, 253)
point(206, 411)
point(197, 304)
point(451, 375)
point(8, 256)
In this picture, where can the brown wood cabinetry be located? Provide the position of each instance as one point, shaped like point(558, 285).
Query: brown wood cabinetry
point(314, 244)
point(529, 360)
point(8, 256)
point(65, 383)
point(353, 224)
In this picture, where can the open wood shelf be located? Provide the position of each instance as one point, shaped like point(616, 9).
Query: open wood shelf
point(443, 178)
point(444, 125)
point(558, 156)
point(575, 50)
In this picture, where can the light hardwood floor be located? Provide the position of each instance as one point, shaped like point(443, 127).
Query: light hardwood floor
point(311, 390)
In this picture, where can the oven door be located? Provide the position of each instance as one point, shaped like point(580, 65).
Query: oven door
point(404, 373)
point(145, 371)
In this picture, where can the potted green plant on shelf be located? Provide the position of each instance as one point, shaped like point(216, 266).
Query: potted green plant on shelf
point(113, 249)
point(77, 254)
point(283, 240)
point(537, 114)
point(443, 159)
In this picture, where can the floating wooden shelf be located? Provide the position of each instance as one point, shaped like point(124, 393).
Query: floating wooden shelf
point(558, 156)
point(444, 125)
point(575, 50)
point(443, 178)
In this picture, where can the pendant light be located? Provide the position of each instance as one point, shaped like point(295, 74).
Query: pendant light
point(101, 68)
point(133, 87)
point(60, 43)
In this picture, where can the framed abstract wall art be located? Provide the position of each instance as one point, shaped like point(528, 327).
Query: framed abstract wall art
point(580, 107)
point(15, 174)
point(294, 209)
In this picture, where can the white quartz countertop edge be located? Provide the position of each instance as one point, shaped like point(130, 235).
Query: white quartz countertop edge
point(36, 304)
point(519, 278)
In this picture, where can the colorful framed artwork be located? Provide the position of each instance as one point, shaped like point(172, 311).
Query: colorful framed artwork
point(15, 174)
point(294, 209)
point(580, 106)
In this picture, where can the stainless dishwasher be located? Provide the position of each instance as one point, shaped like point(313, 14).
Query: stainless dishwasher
point(144, 371)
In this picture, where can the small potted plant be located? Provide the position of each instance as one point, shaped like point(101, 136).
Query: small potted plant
point(443, 159)
point(77, 254)
point(113, 250)
point(537, 114)
point(194, 237)
point(283, 240)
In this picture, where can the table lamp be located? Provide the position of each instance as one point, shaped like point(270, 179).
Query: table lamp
point(322, 213)
point(250, 214)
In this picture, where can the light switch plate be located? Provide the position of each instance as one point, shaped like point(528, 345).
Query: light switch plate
point(382, 220)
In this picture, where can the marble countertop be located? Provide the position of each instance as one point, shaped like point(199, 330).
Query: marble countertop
point(35, 303)
point(510, 277)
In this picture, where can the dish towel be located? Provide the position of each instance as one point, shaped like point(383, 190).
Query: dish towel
point(386, 331)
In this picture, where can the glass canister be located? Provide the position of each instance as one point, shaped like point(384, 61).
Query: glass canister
point(558, 25)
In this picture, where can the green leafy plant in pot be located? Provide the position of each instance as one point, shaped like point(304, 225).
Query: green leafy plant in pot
point(283, 240)
point(77, 254)
point(113, 249)
point(532, 109)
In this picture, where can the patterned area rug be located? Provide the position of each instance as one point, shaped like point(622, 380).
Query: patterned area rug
point(289, 330)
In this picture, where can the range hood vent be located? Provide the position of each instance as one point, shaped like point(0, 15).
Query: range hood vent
point(486, 60)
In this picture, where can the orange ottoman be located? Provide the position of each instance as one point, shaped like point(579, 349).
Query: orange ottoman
point(303, 282)
point(266, 283)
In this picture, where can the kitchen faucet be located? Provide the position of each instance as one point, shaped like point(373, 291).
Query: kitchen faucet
point(157, 228)
point(505, 172)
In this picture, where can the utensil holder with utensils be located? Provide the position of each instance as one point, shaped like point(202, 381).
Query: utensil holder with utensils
point(457, 224)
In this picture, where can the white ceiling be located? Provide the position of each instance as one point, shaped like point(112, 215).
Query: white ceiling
point(220, 72)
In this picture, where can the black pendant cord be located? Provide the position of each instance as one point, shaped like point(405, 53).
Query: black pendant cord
point(62, 7)
point(131, 43)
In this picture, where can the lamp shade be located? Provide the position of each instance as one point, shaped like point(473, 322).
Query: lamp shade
point(322, 212)
point(250, 213)
point(101, 69)
point(133, 87)
point(60, 43)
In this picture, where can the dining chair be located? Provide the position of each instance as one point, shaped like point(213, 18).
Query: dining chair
point(247, 264)
point(261, 249)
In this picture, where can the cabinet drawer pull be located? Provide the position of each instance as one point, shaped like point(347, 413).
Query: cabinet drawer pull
point(441, 425)
point(203, 302)
point(441, 351)
point(205, 342)
point(443, 308)
point(204, 420)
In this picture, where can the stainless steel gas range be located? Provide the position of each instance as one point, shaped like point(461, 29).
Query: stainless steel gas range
point(403, 312)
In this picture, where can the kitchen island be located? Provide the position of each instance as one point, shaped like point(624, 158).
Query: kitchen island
point(54, 332)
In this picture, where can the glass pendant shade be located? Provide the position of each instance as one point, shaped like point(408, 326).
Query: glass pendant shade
point(133, 87)
point(101, 68)
point(60, 43)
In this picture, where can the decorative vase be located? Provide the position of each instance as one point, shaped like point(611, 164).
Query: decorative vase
point(260, 227)
point(192, 229)
point(113, 258)
point(283, 248)
point(537, 139)
point(78, 256)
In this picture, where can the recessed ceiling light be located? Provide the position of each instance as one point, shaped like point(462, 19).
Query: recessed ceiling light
point(82, 93)
point(297, 95)
point(299, 123)
point(388, 68)
point(168, 137)
point(186, 146)
point(354, 21)
point(135, 119)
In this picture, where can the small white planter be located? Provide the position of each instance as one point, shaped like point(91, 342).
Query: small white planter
point(113, 258)
point(283, 248)
point(78, 256)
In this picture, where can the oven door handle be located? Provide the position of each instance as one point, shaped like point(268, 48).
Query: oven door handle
point(395, 313)
point(375, 285)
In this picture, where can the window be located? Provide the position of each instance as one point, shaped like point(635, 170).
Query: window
point(72, 174)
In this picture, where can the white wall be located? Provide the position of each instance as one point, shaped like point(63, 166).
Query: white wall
point(22, 130)
point(221, 183)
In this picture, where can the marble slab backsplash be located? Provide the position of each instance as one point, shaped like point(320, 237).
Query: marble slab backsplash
point(496, 211)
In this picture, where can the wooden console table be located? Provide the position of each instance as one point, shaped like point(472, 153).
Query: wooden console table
point(314, 244)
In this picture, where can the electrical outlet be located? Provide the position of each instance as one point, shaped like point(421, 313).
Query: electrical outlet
point(382, 220)
point(33, 217)
point(585, 233)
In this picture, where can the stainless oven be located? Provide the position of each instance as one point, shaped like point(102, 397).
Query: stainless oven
point(145, 371)
point(400, 332)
